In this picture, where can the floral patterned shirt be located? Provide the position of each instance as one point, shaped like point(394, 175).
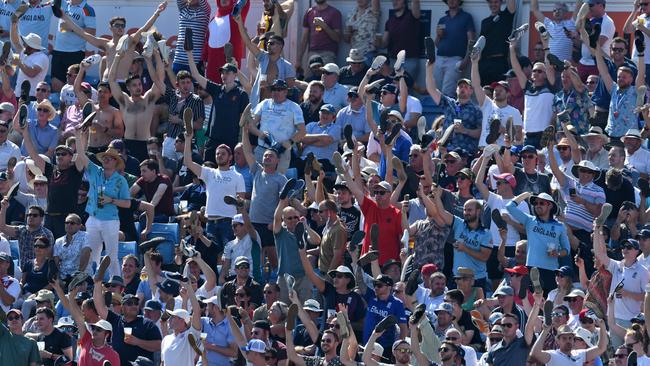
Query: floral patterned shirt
point(363, 23)
point(471, 116)
point(621, 111)
point(429, 243)
point(577, 104)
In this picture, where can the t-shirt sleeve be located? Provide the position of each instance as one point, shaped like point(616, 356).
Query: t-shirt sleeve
point(298, 117)
point(66, 341)
point(399, 312)
point(206, 175)
point(153, 333)
point(458, 225)
point(212, 88)
point(124, 194)
point(90, 21)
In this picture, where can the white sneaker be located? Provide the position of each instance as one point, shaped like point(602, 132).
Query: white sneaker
point(422, 125)
point(123, 43)
point(399, 61)
point(149, 45)
point(378, 62)
point(478, 47)
point(517, 33)
point(541, 28)
point(92, 59)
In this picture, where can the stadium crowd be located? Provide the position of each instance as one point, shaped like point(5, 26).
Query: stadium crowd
point(178, 210)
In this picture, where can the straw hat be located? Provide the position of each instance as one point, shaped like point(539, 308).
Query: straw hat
point(114, 153)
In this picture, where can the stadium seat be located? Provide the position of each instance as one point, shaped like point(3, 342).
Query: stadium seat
point(171, 233)
point(15, 250)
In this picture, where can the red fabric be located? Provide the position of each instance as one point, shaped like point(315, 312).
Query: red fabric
point(93, 356)
point(215, 57)
point(390, 229)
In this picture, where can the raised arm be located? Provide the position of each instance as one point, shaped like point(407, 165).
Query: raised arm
point(602, 69)
point(367, 351)
point(252, 48)
point(603, 341)
point(430, 80)
point(291, 349)
point(75, 312)
point(14, 35)
point(135, 37)
point(187, 155)
point(202, 81)
point(516, 66)
point(555, 168)
point(534, 7)
point(117, 92)
point(476, 81)
point(537, 350)
point(600, 251)
point(277, 216)
point(88, 37)
point(640, 76)
point(81, 96)
point(29, 145)
point(353, 185)
point(550, 71)
point(98, 299)
point(479, 181)
point(81, 160)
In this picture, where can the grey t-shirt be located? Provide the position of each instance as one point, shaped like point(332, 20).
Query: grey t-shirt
point(265, 197)
point(288, 256)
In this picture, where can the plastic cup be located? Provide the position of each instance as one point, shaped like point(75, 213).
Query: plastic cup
point(41, 346)
point(128, 331)
point(204, 336)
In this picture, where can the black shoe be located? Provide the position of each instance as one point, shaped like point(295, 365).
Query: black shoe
point(77, 279)
point(374, 237)
point(555, 62)
point(150, 244)
point(22, 116)
point(595, 34)
point(418, 313)
point(644, 187)
point(188, 42)
point(510, 129)
point(174, 276)
point(383, 120)
point(369, 257)
point(430, 49)
point(412, 283)
point(299, 232)
point(233, 201)
point(52, 271)
point(498, 220)
point(87, 110)
point(287, 187)
point(426, 141)
point(103, 266)
point(356, 239)
point(386, 323)
point(13, 191)
point(394, 132)
point(493, 136)
point(347, 132)
point(547, 135)
point(25, 88)
point(56, 8)
point(548, 309)
point(227, 51)
point(639, 41)
point(187, 121)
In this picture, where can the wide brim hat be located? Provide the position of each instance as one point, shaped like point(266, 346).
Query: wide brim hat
point(114, 153)
point(586, 164)
point(346, 271)
point(632, 132)
point(596, 131)
point(546, 197)
point(33, 40)
point(355, 56)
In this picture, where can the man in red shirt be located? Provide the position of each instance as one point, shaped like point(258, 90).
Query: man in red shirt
point(378, 210)
point(156, 188)
point(93, 338)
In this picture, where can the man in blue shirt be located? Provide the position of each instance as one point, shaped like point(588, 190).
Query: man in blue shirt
point(220, 343)
point(473, 242)
point(547, 238)
point(107, 190)
point(322, 138)
point(382, 303)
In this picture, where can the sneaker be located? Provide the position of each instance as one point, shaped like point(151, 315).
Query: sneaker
point(498, 220)
point(619, 286)
point(92, 59)
point(394, 132)
point(478, 47)
point(412, 283)
point(582, 13)
point(25, 88)
point(150, 244)
point(337, 159)
point(446, 135)
point(52, 271)
point(189, 251)
point(374, 236)
point(344, 327)
point(187, 120)
point(490, 150)
point(56, 8)
point(239, 6)
point(87, 109)
point(510, 128)
point(399, 61)
point(422, 126)
point(493, 136)
point(640, 95)
point(13, 191)
point(595, 34)
point(555, 61)
point(299, 232)
point(644, 187)
point(548, 310)
point(534, 278)
point(639, 41)
point(103, 266)
point(233, 201)
point(547, 135)
point(347, 132)
point(149, 44)
point(605, 210)
point(22, 116)
point(383, 121)
point(164, 51)
point(123, 44)
point(399, 168)
point(369, 257)
point(517, 33)
point(188, 41)
point(417, 314)
point(315, 164)
point(287, 187)
point(386, 323)
point(228, 51)
point(375, 87)
point(430, 49)
point(20, 11)
point(292, 313)
point(174, 276)
point(541, 29)
point(405, 239)
point(355, 239)
point(378, 62)
point(77, 279)
point(297, 191)
point(195, 343)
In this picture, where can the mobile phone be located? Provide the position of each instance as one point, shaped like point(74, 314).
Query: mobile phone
point(241, 304)
point(572, 191)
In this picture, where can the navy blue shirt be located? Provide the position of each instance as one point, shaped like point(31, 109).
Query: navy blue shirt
point(378, 310)
point(142, 328)
point(454, 42)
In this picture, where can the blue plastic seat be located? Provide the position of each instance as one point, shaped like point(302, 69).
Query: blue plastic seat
point(15, 250)
point(169, 231)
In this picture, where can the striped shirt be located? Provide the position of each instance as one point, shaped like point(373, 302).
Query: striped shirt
point(560, 45)
point(197, 18)
point(576, 214)
point(176, 107)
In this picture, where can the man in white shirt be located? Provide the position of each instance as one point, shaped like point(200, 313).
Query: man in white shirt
point(565, 354)
point(635, 155)
point(175, 349)
point(9, 286)
point(7, 148)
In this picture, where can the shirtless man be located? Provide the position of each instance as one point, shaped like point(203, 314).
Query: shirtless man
point(107, 124)
point(137, 109)
point(118, 28)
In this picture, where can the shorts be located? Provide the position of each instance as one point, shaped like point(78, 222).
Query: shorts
point(62, 60)
point(137, 149)
point(266, 235)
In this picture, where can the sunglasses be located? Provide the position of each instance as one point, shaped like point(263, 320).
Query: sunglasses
point(620, 356)
point(268, 292)
point(71, 223)
point(62, 154)
point(42, 109)
point(33, 215)
point(507, 325)
point(4, 130)
point(451, 338)
point(572, 299)
point(450, 161)
point(562, 148)
point(378, 285)
point(557, 315)
point(379, 193)
point(131, 303)
point(42, 90)
point(462, 177)
point(591, 82)
point(402, 350)
point(586, 320)
point(495, 340)
point(500, 182)
point(528, 156)
point(118, 25)
point(243, 266)
point(11, 318)
point(40, 246)
point(327, 340)
point(335, 326)
point(618, 49)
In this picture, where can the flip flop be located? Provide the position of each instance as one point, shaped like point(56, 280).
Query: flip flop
point(299, 232)
point(534, 278)
point(555, 61)
point(639, 41)
point(517, 33)
point(394, 132)
point(595, 34)
point(343, 325)
point(498, 220)
point(493, 136)
point(478, 47)
point(399, 60)
point(430, 49)
point(103, 266)
point(605, 210)
point(386, 323)
point(548, 310)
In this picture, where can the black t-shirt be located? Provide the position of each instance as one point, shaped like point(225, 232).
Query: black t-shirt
point(132, 287)
point(533, 183)
point(142, 328)
point(62, 188)
point(350, 218)
point(616, 198)
point(346, 77)
point(36, 278)
point(132, 166)
point(356, 304)
point(308, 114)
point(445, 180)
point(55, 343)
point(496, 33)
point(227, 107)
point(465, 322)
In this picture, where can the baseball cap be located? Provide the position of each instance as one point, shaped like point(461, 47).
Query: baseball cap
point(384, 185)
point(228, 67)
point(505, 291)
point(180, 313)
point(508, 178)
point(215, 300)
point(529, 148)
point(464, 81)
point(331, 68)
point(428, 269)
point(312, 305)
point(153, 305)
point(400, 341)
point(391, 88)
point(467, 172)
point(384, 279)
point(520, 270)
point(103, 324)
point(353, 92)
point(445, 306)
point(644, 234)
point(5, 257)
point(315, 60)
point(575, 293)
point(279, 84)
point(255, 345)
point(7, 107)
point(169, 287)
point(67, 148)
point(328, 108)
point(565, 271)
point(238, 218)
point(504, 84)
point(241, 259)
